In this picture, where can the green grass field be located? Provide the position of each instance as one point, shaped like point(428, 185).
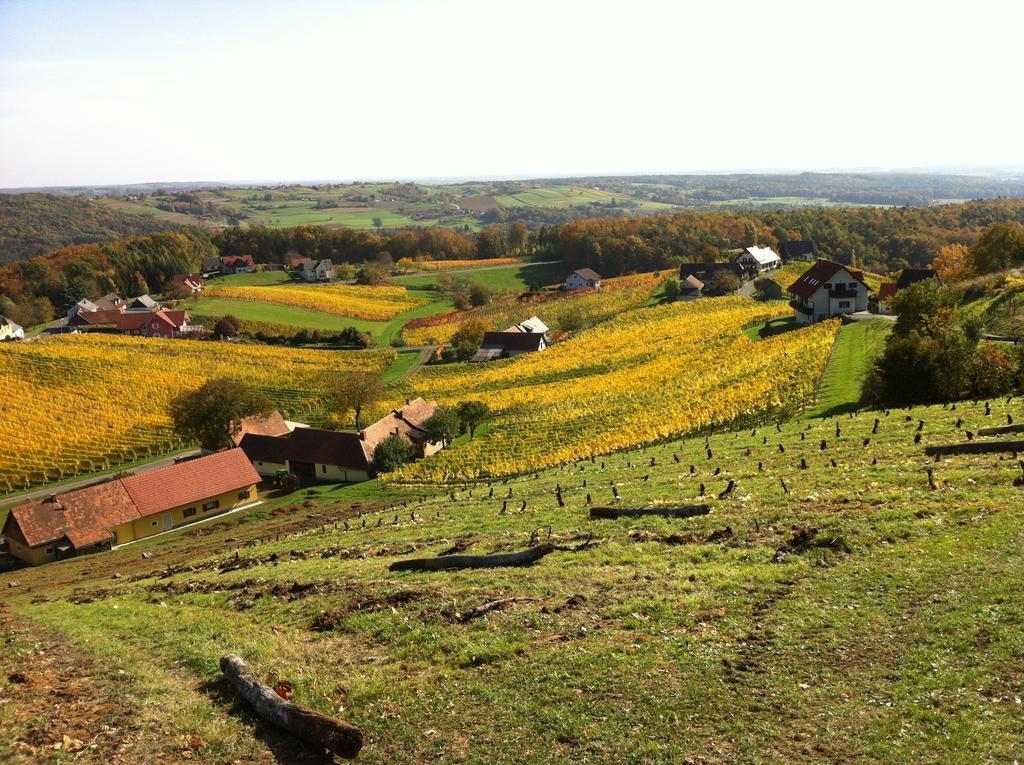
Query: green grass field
point(515, 278)
point(857, 346)
point(254, 279)
point(853, 616)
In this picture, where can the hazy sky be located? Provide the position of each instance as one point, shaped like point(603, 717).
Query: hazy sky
point(112, 92)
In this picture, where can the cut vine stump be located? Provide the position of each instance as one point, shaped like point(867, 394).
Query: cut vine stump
point(318, 730)
point(685, 511)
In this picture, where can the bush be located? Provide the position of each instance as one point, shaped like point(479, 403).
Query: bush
point(226, 326)
point(392, 453)
point(993, 371)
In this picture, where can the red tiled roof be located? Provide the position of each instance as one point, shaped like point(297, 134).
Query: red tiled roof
point(814, 277)
point(107, 316)
point(230, 260)
point(271, 425)
point(182, 278)
point(406, 422)
point(156, 491)
point(886, 290)
point(84, 514)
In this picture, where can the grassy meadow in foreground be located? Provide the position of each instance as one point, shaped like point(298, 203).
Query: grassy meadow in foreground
point(845, 612)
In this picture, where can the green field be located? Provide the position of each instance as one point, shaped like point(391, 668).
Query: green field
point(515, 278)
point(254, 279)
point(568, 196)
point(857, 345)
point(860, 617)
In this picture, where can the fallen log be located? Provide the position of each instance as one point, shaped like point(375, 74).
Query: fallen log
point(976, 447)
point(685, 511)
point(312, 727)
point(498, 560)
point(1001, 429)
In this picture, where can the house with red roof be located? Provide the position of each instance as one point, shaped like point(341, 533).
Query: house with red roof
point(115, 512)
point(193, 282)
point(161, 323)
point(237, 264)
point(828, 289)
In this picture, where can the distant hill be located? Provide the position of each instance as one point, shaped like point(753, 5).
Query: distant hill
point(31, 224)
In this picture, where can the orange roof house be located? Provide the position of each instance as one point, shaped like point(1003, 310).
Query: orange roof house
point(99, 516)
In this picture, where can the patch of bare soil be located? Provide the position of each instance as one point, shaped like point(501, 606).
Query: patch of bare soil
point(58, 709)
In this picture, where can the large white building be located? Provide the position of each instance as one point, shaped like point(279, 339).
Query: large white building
point(759, 259)
point(828, 289)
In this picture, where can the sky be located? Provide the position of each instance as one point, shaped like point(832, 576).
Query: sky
point(112, 92)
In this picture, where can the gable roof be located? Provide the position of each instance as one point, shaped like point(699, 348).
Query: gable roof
point(533, 324)
point(326, 447)
point(143, 301)
point(513, 341)
point(818, 274)
point(763, 255)
point(109, 302)
point(910, 276)
point(271, 425)
point(691, 283)
point(588, 274)
point(705, 271)
point(263, 448)
point(406, 422)
point(85, 516)
point(189, 279)
point(886, 290)
point(156, 491)
point(230, 260)
point(108, 316)
point(796, 248)
point(4, 321)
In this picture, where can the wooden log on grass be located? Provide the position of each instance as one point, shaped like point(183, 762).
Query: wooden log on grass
point(453, 562)
point(318, 730)
point(1000, 430)
point(685, 511)
point(975, 447)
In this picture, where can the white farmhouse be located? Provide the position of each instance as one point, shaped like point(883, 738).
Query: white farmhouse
point(9, 330)
point(828, 289)
point(759, 259)
point(583, 278)
point(318, 270)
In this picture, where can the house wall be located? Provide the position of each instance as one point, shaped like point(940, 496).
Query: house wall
point(575, 282)
point(269, 468)
point(337, 473)
point(143, 527)
point(33, 556)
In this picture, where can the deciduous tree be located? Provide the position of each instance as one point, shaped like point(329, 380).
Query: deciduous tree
point(212, 414)
point(353, 391)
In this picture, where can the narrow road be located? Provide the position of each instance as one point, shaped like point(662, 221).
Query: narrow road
point(45, 491)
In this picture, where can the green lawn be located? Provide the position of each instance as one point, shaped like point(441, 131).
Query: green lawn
point(254, 279)
point(771, 327)
point(514, 278)
point(401, 366)
point(857, 346)
point(843, 613)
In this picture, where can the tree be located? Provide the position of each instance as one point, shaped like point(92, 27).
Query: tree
point(919, 302)
point(472, 414)
point(443, 426)
point(374, 274)
point(1000, 246)
point(378, 223)
point(572, 319)
point(723, 281)
point(479, 295)
point(671, 288)
point(212, 414)
point(226, 326)
point(953, 263)
point(518, 237)
point(405, 265)
point(466, 339)
point(391, 453)
point(490, 243)
point(354, 391)
point(461, 301)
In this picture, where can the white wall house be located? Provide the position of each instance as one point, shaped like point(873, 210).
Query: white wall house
point(318, 271)
point(9, 330)
point(583, 278)
point(828, 289)
point(759, 259)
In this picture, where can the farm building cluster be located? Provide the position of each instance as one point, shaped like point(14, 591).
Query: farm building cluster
point(141, 315)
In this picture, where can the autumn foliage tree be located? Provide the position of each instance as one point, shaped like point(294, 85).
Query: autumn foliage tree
point(953, 263)
point(212, 414)
point(353, 391)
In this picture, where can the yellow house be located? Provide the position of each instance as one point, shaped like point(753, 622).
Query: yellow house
point(111, 513)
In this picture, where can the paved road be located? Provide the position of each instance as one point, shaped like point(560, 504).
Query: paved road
point(46, 491)
point(747, 289)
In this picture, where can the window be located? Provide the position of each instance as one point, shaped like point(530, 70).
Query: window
point(243, 494)
point(153, 524)
point(49, 551)
point(853, 285)
point(189, 512)
point(828, 286)
point(844, 303)
point(323, 468)
point(213, 504)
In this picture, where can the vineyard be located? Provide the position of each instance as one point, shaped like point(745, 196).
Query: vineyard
point(649, 375)
point(80, 403)
point(558, 310)
point(355, 301)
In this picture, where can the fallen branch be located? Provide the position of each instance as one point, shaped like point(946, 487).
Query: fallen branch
point(686, 511)
point(498, 560)
point(485, 608)
point(976, 447)
point(312, 727)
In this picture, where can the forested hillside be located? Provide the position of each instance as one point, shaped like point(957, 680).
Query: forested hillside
point(31, 224)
